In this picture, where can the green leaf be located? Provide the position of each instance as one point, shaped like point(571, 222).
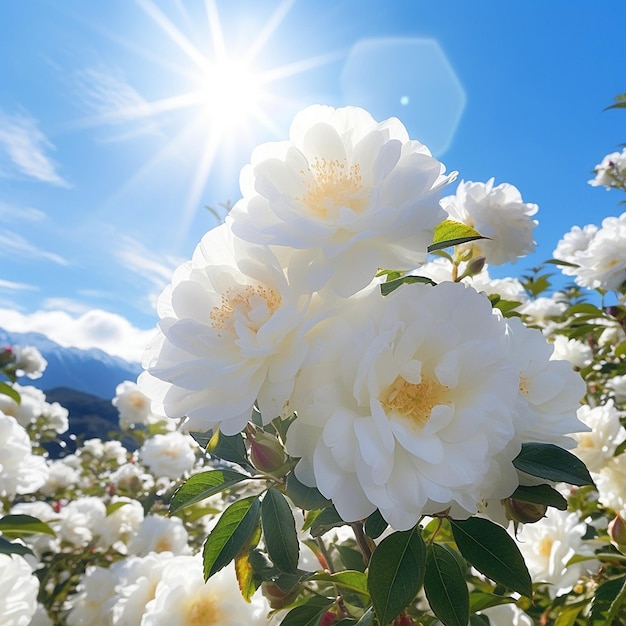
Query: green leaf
point(375, 525)
point(229, 448)
point(563, 263)
point(451, 233)
point(279, 531)
point(8, 547)
point(328, 518)
point(367, 619)
point(608, 601)
point(201, 486)
point(445, 586)
point(351, 557)
point(620, 350)
point(541, 494)
point(480, 600)
point(492, 551)
point(7, 390)
point(230, 534)
point(348, 579)
point(244, 569)
point(114, 506)
point(568, 614)
point(19, 525)
point(308, 614)
point(396, 573)
point(619, 102)
point(392, 285)
point(307, 498)
point(546, 460)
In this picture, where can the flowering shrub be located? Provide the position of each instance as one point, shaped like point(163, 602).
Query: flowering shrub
point(343, 419)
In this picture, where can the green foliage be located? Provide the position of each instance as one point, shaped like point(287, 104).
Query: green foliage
point(541, 494)
point(279, 531)
point(545, 460)
point(450, 233)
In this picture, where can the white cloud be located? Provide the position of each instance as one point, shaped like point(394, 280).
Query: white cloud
point(13, 286)
point(93, 329)
point(26, 146)
point(115, 103)
point(13, 213)
point(12, 243)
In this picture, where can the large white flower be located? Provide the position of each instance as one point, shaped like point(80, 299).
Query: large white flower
point(21, 471)
point(132, 404)
point(549, 544)
point(413, 412)
point(159, 534)
point(81, 520)
point(495, 212)
point(572, 243)
point(18, 599)
point(230, 335)
point(349, 194)
point(182, 597)
point(170, 455)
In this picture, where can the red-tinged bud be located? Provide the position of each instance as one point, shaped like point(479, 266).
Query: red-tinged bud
point(110, 489)
point(475, 266)
point(277, 598)
point(403, 620)
point(328, 618)
point(617, 533)
point(6, 356)
point(524, 512)
point(57, 506)
point(266, 453)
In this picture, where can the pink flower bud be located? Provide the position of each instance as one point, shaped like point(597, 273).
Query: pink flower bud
point(617, 533)
point(266, 452)
point(524, 512)
point(403, 620)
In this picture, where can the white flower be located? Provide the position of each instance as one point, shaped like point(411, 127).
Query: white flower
point(230, 335)
point(507, 615)
point(31, 406)
point(18, 600)
point(610, 481)
point(60, 477)
point(597, 447)
point(549, 544)
point(132, 478)
point(349, 194)
point(618, 385)
point(56, 417)
point(29, 361)
point(39, 542)
point(95, 597)
point(120, 526)
point(41, 617)
point(413, 412)
point(114, 451)
point(542, 310)
point(549, 390)
point(169, 455)
point(132, 404)
point(573, 242)
point(495, 212)
point(81, 520)
point(159, 534)
point(576, 352)
point(182, 597)
point(20, 471)
point(611, 172)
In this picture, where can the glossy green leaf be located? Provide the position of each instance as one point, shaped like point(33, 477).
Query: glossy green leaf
point(367, 619)
point(348, 579)
point(279, 531)
point(308, 614)
point(244, 569)
point(608, 601)
point(541, 494)
point(492, 551)
point(548, 461)
point(450, 233)
point(396, 573)
point(307, 498)
point(445, 586)
point(327, 518)
point(230, 534)
point(229, 448)
point(8, 547)
point(203, 485)
point(375, 525)
point(480, 600)
point(568, 615)
point(392, 285)
point(7, 390)
point(13, 526)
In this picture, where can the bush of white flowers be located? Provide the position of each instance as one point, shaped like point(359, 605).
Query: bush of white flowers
point(343, 419)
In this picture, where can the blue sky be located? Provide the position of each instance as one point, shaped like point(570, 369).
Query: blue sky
point(113, 140)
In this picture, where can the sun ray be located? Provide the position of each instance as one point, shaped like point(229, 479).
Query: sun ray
point(215, 29)
point(268, 30)
point(298, 67)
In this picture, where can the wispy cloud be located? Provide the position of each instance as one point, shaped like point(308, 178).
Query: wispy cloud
point(93, 329)
point(15, 213)
point(9, 285)
point(26, 147)
point(114, 103)
point(12, 243)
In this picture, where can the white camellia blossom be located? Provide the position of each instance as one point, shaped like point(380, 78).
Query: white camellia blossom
point(617, 385)
point(95, 597)
point(346, 194)
point(182, 597)
point(132, 404)
point(169, 455)
point(120, 526)
point(230, 334)
point(597, 447)
point(610, 481)
point(159, 534)
point(30, 407)
point(21, 471)
point(579, 354)
point(18, 598)
point(29, 362)
point(611, 172)
point(549, 544)
point(81, 520)
point(495, 212)
point(573, 242)
point(413, 412)
point(507, 615)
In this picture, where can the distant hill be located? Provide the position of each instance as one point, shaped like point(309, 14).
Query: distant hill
point(91, 371)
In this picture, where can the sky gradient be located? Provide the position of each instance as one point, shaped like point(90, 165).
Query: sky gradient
point(118, 128)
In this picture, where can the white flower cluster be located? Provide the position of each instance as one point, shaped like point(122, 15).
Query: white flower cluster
point(611, 173)
point(414, 403)
point(597, 255)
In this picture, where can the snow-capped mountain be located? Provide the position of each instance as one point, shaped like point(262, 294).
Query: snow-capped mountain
point(91, 371)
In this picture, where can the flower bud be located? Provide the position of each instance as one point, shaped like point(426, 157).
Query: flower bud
point(524, 512)
point(403, 620)
point(276, 597)
point(617, 533)
point(328, 618)
point(475, 266)
point(266, 452)
point(6, 356)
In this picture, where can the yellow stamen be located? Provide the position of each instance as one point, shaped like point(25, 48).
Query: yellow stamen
point(240, 297)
